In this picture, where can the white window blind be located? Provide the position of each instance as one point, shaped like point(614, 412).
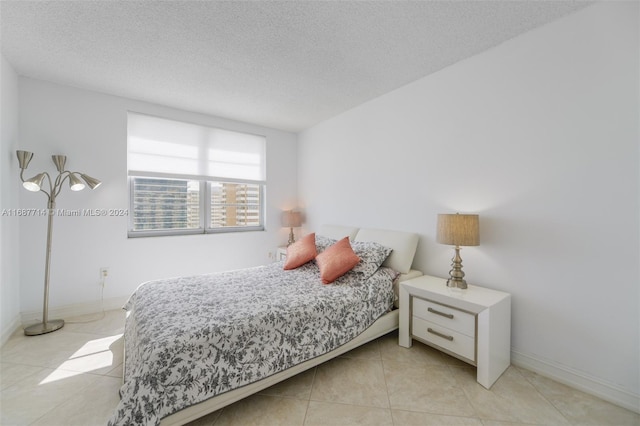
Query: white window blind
point(162, 147)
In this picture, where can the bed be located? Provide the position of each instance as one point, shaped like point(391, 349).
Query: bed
point(196, 344)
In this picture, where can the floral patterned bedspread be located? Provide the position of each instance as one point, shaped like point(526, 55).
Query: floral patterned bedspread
point(188, 339)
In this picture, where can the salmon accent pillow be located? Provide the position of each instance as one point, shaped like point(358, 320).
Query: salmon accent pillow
point(336, 261)
point(301, 252)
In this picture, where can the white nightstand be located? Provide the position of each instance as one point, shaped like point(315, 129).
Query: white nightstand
point(281, 253)
point(473, 325)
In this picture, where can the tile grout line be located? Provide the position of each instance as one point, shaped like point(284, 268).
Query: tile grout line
point(384, 376)
point(451, 370)
point(313, 380)
point(386, 386)
point(544, 396)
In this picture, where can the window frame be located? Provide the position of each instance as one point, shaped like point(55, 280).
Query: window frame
point(205, 196)
point(207, 215)
point(204, 205)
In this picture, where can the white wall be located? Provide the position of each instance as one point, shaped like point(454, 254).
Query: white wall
point(90, 128)
point(9, 271)
point(540, 137)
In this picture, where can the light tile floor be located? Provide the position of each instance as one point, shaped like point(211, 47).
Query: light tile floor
point(71, 377)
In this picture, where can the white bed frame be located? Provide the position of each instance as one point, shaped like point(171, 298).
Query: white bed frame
point(404, 245)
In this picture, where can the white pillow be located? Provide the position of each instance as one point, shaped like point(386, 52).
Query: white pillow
point(404, 246)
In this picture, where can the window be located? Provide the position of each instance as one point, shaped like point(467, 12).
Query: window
point(235, 204)
point(187, 179)
point(164, 204)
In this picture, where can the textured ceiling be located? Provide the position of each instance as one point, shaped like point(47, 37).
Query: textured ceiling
point(287, 65)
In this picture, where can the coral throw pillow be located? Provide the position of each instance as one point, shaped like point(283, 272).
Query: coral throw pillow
point(336, 261)
point(301, 252)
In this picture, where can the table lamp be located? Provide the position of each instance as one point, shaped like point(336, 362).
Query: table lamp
point(291, 219)
point(458, 230)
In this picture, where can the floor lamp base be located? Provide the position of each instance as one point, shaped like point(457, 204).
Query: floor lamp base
point(43, 328)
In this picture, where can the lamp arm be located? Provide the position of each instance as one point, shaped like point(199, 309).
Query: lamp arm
point(62, 176)
point(49, 194)
point(57, 183)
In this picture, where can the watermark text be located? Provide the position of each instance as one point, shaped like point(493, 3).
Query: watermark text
point(65, 212)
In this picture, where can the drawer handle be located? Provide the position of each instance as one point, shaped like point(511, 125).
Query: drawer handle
point(433, 311)
point(444, 336)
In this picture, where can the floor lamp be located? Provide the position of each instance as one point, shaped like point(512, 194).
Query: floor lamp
point(35, 184)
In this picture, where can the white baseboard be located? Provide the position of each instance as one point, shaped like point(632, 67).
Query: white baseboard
point(63, 312)
point(578, 380)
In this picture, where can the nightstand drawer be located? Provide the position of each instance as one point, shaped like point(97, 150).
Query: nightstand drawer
point(451, 318)
point(443, 337)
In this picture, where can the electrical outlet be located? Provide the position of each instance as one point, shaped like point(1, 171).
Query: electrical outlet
point(271, 255)
point(104, 272)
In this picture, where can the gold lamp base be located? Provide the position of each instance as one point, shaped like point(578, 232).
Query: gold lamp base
point(456, 276)
point(292, 238)
point(456, 283)
point(43, 328)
